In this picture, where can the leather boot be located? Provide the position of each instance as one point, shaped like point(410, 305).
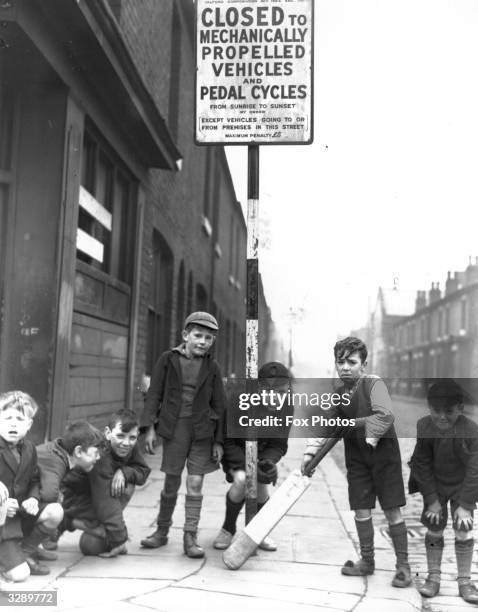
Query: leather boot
point(156, 539)
point(191, 547)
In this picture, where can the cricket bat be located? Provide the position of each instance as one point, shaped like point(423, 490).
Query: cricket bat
point(246, 541)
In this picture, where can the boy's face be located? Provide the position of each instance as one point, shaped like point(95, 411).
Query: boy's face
point(14, 425)
point(445, 417)
point(122, 442)
point(198, 341)
point(86, 459)
point(349, 367)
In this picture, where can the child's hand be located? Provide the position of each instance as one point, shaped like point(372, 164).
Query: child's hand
point(372, 442)
point(433, 512)
point(463, 517)
point(150, 440)
point(3, 494)
point(217, 452)
point(12, 507)
point(114, 552)
point(118, 484)
point(305, 462)
point(30, 506)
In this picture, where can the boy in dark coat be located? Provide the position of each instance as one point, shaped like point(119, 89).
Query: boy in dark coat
point(275, 377)
point(76, 452)
point(445, 469)
point(19, 475)
point(94, 502)
point(372, 458)
point(185, 402)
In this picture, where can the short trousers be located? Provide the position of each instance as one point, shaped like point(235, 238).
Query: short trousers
point(11, 554)
point(374, 474)
point(183, 449)
point(444, 517)
point(29, 521)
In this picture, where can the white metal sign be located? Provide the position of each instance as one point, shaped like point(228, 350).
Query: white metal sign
point(254, 72)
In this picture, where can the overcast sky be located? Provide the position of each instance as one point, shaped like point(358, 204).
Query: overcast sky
point(388, 192)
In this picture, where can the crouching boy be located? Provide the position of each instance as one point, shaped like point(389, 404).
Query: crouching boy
point(445, 470)
point(27, 521)
point(94, 502)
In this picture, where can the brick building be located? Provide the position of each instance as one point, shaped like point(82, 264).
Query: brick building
point(113, 224)
point(435, 336)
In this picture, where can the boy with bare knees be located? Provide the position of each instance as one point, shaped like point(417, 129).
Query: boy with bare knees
point(185, 402)
point(445, 469)
point(372, 458)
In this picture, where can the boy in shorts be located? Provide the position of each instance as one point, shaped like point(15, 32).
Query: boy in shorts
point(185, 401)
point(372, 458)
point(27, 521)
point(445, 469)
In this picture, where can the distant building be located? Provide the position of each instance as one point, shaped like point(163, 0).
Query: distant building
point(433, 335)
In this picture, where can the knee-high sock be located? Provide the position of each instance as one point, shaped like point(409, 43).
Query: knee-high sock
point(166, 509)
point(232, 512)
point(192, 509)
point(398, 533)
point(464, 555)
point(434, 548)
point(365, 535)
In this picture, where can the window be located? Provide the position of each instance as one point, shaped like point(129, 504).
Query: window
point(106, 212)
point(201, 297)
point(159, 311)
point(180, 316)
point(189, 298)
point(463, 314)
point(440, 323)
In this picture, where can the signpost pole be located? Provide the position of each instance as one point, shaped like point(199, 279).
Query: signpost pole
point(252, 314)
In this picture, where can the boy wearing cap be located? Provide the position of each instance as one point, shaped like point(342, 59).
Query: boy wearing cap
point(185, 406)
point(275, 377)
point(445, 469)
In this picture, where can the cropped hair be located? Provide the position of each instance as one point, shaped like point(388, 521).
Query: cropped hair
point(349, 345)
point(445, 393)
point(82, 434)
point(126, 418)
point(18, 400)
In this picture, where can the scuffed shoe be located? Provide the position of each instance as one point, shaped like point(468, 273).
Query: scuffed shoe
point(51, 543)
point(358, 568)
point(403, 577)
point(156, 539)
point(429, 588)
point(268, 544)
point(223, 540)
point(468, 592)
point(191, 547)
point(37, 568)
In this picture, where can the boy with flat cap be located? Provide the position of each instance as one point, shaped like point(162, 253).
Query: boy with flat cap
point(185, 406)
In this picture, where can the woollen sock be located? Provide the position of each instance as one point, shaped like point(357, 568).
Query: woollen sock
point(365, 534)
point(434, 549)
point(232, 512)
point(399, 536)
point(464, 555)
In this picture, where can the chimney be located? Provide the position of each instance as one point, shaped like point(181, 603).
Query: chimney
point(434, 294)
point(451, 284)
point(420, 300)
point(471, 272)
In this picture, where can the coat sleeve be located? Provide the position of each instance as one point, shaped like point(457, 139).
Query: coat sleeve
point(34, 487)
point(107, 508)
point(136, 470)
point(154, 395)
point(274, 449)
point(52, 472)
point(422, 466)
point(218, 402)
point(382, 417)
point(469, 490)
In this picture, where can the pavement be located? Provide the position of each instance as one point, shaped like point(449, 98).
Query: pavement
point(303, 575)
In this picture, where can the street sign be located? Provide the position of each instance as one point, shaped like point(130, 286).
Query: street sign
point(254, 77)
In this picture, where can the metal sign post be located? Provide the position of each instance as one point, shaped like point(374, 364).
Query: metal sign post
point(252, 314)
point(254, 86)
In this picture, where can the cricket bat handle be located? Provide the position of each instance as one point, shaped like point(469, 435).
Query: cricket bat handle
point(320, 454)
